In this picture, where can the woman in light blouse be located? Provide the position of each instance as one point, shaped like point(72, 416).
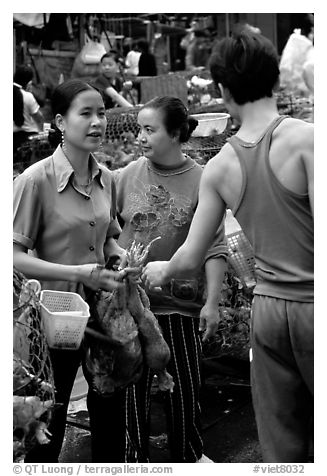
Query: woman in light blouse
point(65, 213)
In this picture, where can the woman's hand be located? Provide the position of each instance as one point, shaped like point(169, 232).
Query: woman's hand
point(209, 320)
point(97, 277)
point(155, 275)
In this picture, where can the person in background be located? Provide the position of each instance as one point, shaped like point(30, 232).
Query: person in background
point(201, 50)
point(187, 43)
point(157, 196)
point(264, 175)
point(147, 62)
point(132, 61)
point(27, 116)
point(197, 45)
point(109, 83)
point(146, 65)
point(65, 213)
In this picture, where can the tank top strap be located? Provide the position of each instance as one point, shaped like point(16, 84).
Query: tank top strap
point(266, 133)
point(272, 126)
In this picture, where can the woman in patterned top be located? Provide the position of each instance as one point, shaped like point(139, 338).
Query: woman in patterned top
point(157, 196)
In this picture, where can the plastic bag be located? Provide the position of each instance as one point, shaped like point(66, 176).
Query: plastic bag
point(294, 56)
point(92, 52)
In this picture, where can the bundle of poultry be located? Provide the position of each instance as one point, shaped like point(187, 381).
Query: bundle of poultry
point(29, 428)
point(33, 384)
point(32, 406)
point(132, 335)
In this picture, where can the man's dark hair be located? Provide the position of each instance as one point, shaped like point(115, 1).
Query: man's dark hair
point(247, 65)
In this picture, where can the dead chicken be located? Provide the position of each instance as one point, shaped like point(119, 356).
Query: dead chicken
point(133, 331)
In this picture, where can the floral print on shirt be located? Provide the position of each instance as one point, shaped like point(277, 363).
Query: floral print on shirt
point(157, 208)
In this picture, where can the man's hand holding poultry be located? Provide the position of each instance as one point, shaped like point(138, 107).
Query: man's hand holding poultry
point(155, 274)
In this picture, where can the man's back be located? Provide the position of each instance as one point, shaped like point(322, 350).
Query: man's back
point(265, 183)
point(290, 151)
point(265, 176)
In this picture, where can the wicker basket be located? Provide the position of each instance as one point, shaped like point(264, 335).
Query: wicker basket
point(121, 121)
point(202, 149)
point(172, 84)
point(64, 316)
point(241, 257)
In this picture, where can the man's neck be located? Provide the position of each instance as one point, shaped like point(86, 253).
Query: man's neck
point(255, 117)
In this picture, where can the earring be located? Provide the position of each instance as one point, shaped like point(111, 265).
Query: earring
point(63, 139)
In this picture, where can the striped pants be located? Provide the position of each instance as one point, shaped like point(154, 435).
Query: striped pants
point(120, 425)
point(182, 406)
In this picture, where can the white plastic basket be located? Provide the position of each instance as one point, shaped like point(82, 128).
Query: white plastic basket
point(210, 123)
point(64, 316)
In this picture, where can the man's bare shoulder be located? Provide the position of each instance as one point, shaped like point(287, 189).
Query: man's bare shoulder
point(223, 162)
point(296, 131)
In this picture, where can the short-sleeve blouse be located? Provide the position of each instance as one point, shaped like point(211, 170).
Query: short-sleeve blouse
point(60, 223)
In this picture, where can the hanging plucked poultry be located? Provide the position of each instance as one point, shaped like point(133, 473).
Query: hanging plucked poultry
point(132, 335)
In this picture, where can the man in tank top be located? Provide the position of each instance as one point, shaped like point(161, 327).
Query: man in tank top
point(264, 174)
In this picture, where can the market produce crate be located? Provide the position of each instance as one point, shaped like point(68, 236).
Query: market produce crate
point(65, 316)
point(33, 150)
point(202, 149)
point(295, 106)
point(241, 257)
point(171, 84)
point(121, 121)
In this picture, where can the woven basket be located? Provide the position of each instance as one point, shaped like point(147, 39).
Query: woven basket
point(121, 121)
point(172, 84)
point(241, 257)
point(202, 149)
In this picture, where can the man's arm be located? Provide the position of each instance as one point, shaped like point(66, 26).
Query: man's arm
point(191, 255)
point(308, 161)
point(209, 316)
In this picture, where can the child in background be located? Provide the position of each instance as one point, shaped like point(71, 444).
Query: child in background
point(109, 83)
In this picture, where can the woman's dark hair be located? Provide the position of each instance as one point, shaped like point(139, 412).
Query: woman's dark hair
point(306, 24)
point(143, 45)
point(247, 65)
point(61, 100)
point(23, 75)
point(18, 107)
point(175, 116)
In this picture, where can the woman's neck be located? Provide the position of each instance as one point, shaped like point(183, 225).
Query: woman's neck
point(171, 161)
point(79, 160)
